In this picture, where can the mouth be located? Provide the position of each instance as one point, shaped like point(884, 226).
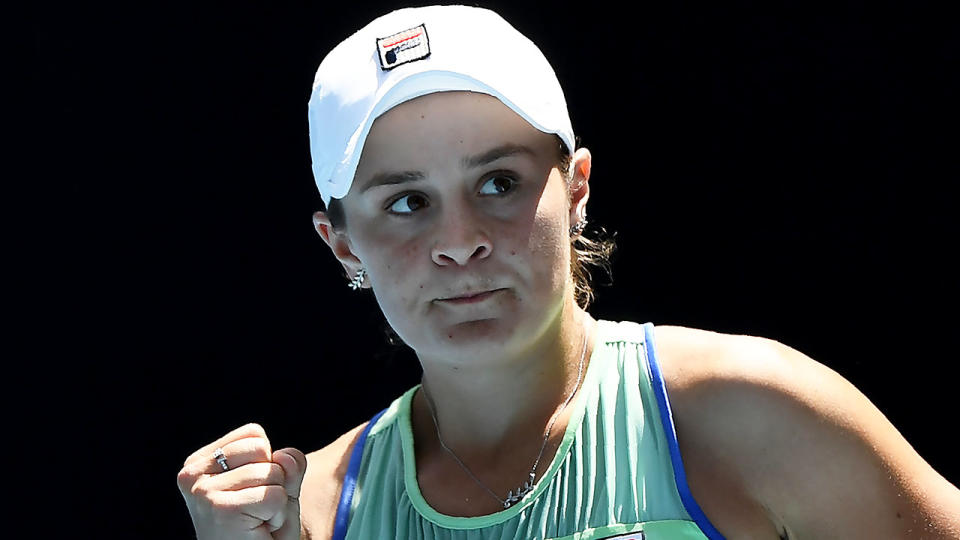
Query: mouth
point(469, 298)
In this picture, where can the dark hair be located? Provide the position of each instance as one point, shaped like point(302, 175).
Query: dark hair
point(586, 251)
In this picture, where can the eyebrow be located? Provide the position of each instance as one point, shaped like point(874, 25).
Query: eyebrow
point(386, 179)
point(500, 152)
point(468, 162)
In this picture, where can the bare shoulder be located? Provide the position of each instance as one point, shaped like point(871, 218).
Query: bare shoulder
point(700, 369)
point(770, 434)
point(691, 357)
point(322, 482)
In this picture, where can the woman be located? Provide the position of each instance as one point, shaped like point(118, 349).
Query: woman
point(444, 154)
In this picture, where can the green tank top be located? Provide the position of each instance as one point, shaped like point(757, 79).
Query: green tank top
point(616, 475)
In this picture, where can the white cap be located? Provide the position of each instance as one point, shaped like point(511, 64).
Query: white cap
point(416, 51)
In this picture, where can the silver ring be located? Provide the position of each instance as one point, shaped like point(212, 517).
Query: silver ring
point(221, 459)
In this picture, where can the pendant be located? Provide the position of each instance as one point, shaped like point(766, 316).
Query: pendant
point(522, 491)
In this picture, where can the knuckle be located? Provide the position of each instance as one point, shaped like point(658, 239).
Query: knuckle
point(222, 505)
point(275, 496)
point(200, 492)
point(185, 479)
point(275, 475)
point(192, 457)
point(219, 507)
point(259, 449)
point(254, 429)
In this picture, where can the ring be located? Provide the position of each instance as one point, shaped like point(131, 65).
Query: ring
point(221, 459)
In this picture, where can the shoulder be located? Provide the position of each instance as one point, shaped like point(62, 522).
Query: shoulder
point(320, 492)
point(704, 370)
point(795, 442)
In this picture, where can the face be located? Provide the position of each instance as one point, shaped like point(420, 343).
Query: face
point(461, 218)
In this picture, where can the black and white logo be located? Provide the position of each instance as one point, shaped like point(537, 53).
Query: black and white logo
point(403, 47)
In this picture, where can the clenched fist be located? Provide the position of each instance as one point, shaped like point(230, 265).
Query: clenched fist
point(255, 497)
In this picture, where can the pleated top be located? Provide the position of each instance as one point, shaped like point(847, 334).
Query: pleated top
point(615, 474)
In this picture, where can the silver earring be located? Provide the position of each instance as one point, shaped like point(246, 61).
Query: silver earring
point(575, 230)
point(357, 280)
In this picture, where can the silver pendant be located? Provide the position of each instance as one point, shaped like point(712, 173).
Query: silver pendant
point(522, 491)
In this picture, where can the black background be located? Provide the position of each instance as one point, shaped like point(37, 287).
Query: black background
point(783, 171)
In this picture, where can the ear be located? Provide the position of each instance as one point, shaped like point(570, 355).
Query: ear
point(339, 244)
point(580, 184)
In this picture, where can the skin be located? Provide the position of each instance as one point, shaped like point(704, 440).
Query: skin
point(775, 445)
point(498, 369)
point(493, 364)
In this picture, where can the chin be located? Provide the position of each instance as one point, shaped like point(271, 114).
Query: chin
point(482, 329)
point(475, 329)
point(470, 337)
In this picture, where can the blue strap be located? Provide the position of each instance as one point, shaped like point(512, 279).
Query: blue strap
point(350, 482)
point(666, 418)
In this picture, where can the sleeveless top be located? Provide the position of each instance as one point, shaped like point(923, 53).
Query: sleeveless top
point(616, 475)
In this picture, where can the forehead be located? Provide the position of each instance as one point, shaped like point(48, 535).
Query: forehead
point(466, 104)
point(446, 123)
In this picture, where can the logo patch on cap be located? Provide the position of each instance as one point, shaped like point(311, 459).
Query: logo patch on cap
point(403, 47)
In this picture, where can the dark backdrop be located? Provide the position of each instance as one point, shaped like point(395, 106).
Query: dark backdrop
point(778, 171)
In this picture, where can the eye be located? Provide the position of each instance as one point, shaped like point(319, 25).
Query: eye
point(407, 204)
point(497, 184)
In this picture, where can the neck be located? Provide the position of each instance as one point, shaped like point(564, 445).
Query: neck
point(495, 408)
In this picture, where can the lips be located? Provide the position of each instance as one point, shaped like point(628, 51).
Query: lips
point(469, 298)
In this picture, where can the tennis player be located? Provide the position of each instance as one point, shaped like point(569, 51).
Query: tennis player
point(454, 191)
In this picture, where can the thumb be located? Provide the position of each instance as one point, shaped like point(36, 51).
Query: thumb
point(294, 465)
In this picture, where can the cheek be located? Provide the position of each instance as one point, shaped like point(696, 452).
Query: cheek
point(390, 258)
point(397, 275)
point(550, 250)
point(399, 261)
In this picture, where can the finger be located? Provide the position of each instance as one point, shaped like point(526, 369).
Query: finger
point(237, 454)
point(279, 523)
point(294, 465)
point(249, 475)
point(242, 432)
point(255, 505)
point(290, 528)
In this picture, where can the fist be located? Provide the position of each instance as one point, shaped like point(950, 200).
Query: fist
point(250, 492)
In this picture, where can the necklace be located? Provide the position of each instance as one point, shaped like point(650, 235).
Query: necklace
point(527, 486)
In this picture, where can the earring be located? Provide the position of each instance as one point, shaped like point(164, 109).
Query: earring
point(575, 230)
point(357, 280)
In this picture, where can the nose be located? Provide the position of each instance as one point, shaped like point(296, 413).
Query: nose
point(460, 240)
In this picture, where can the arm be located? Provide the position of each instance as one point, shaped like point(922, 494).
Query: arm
point(320, 493)
point(809, 448)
